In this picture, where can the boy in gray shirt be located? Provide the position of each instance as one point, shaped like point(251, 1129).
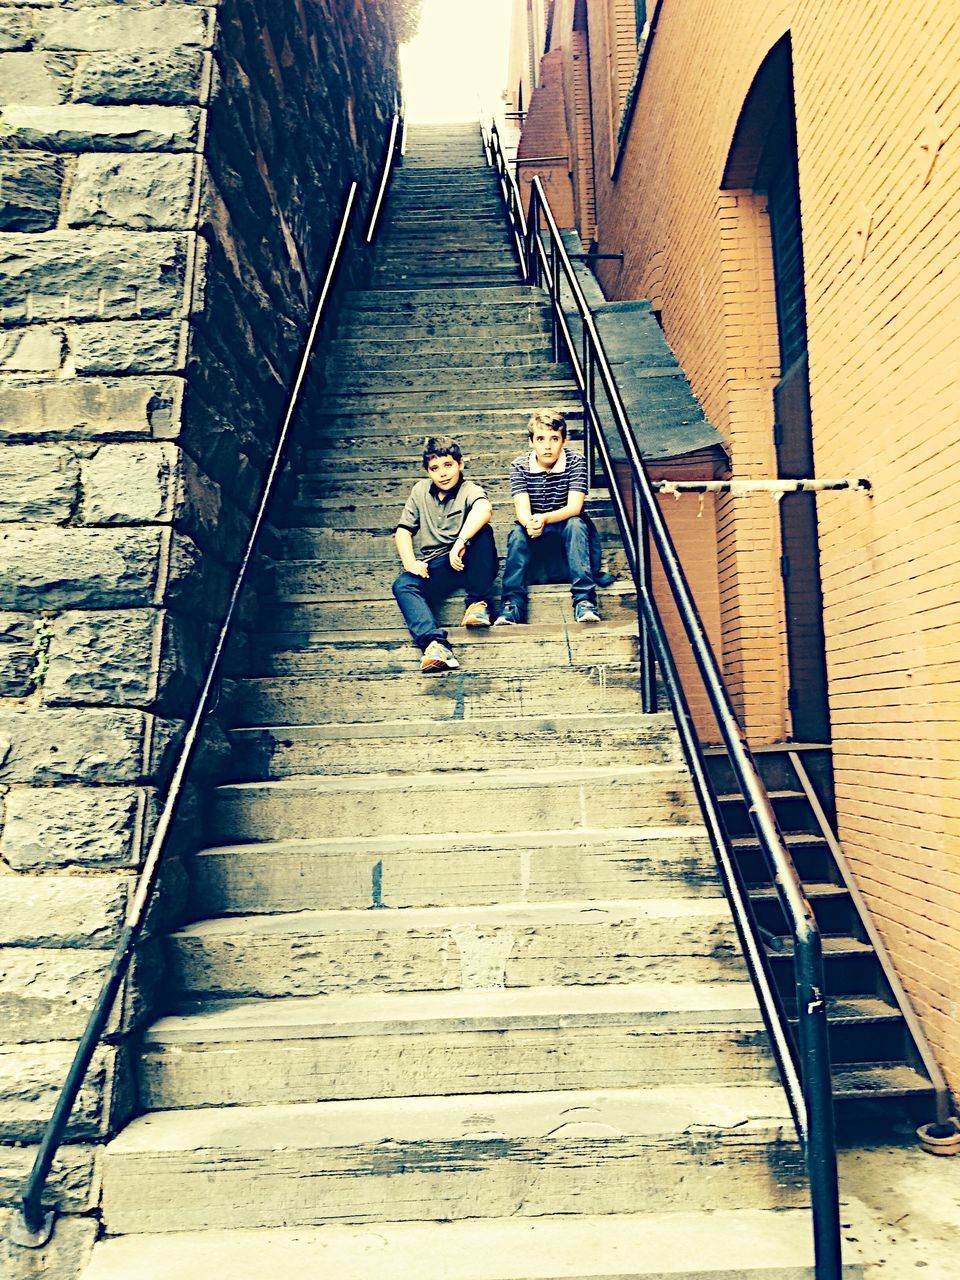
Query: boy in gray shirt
point(451, 515)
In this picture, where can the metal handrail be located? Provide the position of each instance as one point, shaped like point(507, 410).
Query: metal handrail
point(809, 1092)
point(395, 147)
point(33, 1225)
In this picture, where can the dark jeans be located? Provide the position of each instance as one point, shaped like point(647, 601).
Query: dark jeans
point(574, 539)
point(418, 596)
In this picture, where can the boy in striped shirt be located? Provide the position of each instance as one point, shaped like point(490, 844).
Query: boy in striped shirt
point(549, 487)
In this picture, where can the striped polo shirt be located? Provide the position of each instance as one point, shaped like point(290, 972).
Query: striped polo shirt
point(548, 490)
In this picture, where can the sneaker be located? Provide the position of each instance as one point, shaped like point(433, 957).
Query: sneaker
point(437, 657)
point(477, 615)
point(509, 615)
point(584, 611)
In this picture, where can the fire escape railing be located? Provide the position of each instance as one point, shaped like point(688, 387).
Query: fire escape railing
point(804, 1070)
point(33, 1224)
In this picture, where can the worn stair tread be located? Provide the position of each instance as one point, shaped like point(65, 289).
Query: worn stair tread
point(459, 1118)
point(375, 638)
point(655, 723)
point(497, 916)
point(617, 591)
point(812, 889)
point(464, 841)
point(775, 793)
point(503, 1009)
point(878, 1079)
point(745, 1244)
point(792, 839)
point(834, 946)
point(854, 1010)
point(536, 778)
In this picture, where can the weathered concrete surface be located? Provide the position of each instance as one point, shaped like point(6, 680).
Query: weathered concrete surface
point(19, 634)
point(173, 76)
point(550, 944)
point(430, 871)
point(127, 346)
point(732, 1244)
point(63, 1258)
point(521, 1040)
point(402, 1159)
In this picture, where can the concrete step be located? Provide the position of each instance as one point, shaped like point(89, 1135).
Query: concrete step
point(399, 327)
point(381, 486)
point(433, 871)
point(331, 431)
point(450, 300)
point(492, 800)
point(490, 341)
point(466, 694)
point(482, 1155)
point(336, 609)
point(354, 582)
point(283, 751)
point(519, 648)
point(358, 577)
point(448, 277)
point(746, 1244)
point(421, 359)
point(324, 1048)
point(531, 375)
point(686, 940)
point(355, 545)
point(523, 392)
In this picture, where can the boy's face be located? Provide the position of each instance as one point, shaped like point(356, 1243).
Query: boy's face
point(444, 472)
point(547, 444)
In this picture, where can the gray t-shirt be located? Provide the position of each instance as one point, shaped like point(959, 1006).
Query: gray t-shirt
point(438, 523)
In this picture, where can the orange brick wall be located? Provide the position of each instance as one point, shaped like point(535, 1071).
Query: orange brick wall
point(877, 98)
point(545, 136)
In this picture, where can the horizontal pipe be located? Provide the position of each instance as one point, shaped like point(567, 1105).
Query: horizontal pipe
point(743, 488)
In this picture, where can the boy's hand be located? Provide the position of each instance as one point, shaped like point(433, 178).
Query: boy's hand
point(534, 526)
point(456, 555)
point(420, 568)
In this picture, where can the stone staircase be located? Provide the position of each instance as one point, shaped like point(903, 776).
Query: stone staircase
point(462, 997)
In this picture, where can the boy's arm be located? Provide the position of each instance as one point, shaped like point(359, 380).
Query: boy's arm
point(576, 494)
point(408, 558)
point(478, 515)
point(572, 507)
point(521, 505)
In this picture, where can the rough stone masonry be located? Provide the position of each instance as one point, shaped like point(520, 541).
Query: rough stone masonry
point(170, 175)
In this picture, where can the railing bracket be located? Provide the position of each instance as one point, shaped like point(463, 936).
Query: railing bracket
point(22, 1234)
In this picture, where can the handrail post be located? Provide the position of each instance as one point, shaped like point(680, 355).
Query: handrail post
point(813, 1035)
point(555, 301)
point(587, 395)
point(648, 675)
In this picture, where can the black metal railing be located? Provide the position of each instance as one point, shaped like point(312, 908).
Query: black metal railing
point(33, 1224)
point(805, 1068)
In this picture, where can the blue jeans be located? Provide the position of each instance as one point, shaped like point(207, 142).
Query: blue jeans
point(418, 596)
point(572, 538)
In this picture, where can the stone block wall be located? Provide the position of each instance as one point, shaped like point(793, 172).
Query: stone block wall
point(170, 176)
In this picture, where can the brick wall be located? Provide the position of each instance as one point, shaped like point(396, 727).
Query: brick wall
point(878, 120)
point(169, 178)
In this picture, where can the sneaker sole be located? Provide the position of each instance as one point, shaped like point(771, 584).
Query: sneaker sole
point(477, 626)
point(434, 668)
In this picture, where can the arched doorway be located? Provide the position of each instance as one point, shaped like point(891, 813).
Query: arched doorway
point(763, 159)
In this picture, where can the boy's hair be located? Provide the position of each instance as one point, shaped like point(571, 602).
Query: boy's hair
point(548, 418)
point(440, 447)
